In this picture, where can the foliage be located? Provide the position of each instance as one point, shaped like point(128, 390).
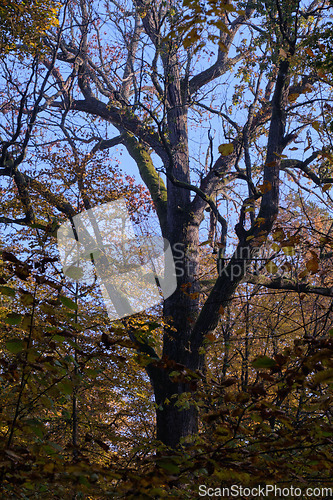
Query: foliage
point(25, 23)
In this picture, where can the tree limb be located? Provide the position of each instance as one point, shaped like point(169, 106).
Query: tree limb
point(288, 284)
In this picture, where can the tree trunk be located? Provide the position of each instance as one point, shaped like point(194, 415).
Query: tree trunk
point(174, 421)
point(177, 417)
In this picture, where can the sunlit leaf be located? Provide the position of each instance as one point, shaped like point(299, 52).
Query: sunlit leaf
point(226, 149)
point(289, 251)
point(271, 267)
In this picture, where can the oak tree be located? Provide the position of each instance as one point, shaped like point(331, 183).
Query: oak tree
point(152, 77)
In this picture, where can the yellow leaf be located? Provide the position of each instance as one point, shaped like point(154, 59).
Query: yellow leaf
point(259, 221)
point(226, 149)
point(293, 97)
point(271, 267)
point(290, 251)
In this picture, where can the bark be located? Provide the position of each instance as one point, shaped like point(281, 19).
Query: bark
point(175, 419)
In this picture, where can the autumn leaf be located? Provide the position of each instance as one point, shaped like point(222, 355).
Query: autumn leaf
point(289, 251)
point(312, 265)
point(316, 125)
point(271, 267)
point(293, 98)
point(226, 149)
point(27, 298)
point(265, 187)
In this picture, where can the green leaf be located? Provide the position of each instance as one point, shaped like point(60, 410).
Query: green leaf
point(35, 426)
point(67, 302)
point(13, 319)
point(324, 376)
point(6, 290)
point(66, 387)
point(26, 322)
point(29, 486)
point(263, 362)
point(169, 466)
point(15, 345)
point(58, 338)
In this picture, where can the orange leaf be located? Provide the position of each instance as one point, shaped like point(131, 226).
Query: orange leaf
point(265, 187)
point(312, 265)
point(309, 52)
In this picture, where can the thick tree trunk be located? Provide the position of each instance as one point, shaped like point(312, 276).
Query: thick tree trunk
point(173, 421)
point(176, 415)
